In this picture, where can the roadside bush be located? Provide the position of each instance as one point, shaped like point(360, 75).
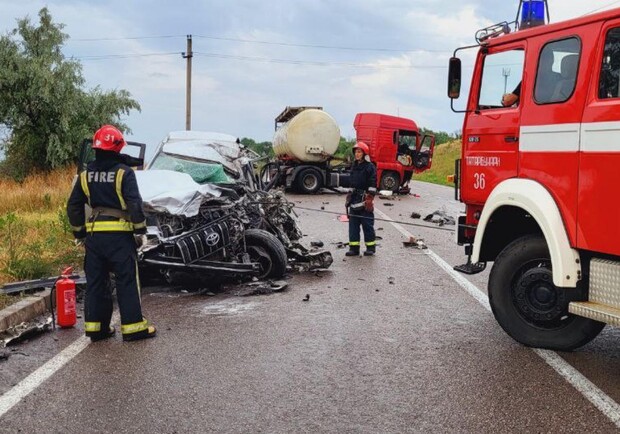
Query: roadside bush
point(35, 246)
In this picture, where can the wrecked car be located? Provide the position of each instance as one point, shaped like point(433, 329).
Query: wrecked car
point(206, 213)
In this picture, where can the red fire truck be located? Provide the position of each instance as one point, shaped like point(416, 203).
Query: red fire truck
point(538, 177)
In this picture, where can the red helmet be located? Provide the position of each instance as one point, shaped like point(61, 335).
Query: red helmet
point(108, 138)
point(363, 146)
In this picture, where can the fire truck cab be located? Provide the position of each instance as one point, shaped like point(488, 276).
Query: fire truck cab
point(538, 177)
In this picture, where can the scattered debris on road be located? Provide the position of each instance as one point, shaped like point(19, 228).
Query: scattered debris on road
point(316, 243)
point(391, 280)
point(415, 215)
point(25, 330)
point(307, 298)
point(261, 288)
point(388, 204)
point(416, 243)
point(440, 218)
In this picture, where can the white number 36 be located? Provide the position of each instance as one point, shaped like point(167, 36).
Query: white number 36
point(479, 181)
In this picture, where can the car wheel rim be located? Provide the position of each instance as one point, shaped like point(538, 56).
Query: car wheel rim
point(310, 182)
point(537, 299)
point(389, 182)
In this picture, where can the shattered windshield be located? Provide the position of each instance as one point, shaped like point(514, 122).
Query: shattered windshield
point(200, 171)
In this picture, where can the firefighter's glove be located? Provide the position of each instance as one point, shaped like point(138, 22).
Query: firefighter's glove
point(140, 240)
point(369, 202)
point(79, 242)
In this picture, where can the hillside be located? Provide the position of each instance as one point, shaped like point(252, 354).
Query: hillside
point(443, 163)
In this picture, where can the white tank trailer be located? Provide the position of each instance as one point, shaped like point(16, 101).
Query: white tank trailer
point(305, 140)
point(310, 136)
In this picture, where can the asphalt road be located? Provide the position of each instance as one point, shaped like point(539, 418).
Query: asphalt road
point(419, 354)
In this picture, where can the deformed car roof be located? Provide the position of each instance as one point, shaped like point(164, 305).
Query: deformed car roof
point(206, 146)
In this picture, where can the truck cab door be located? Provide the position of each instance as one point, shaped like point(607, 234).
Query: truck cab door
point(599, 157)
point(424, 153)
point(491, 130)
point(133, 153)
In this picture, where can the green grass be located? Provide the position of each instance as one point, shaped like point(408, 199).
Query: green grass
point(443, 164)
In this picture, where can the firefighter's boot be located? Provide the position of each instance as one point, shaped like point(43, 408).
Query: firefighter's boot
point(353, 251)
point(94, 337)
point(150, 332)
point(370, 250)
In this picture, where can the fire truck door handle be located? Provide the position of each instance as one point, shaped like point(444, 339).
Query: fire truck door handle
point(511, 139)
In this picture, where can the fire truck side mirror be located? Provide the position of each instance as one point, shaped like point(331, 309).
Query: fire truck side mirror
point(454, 78)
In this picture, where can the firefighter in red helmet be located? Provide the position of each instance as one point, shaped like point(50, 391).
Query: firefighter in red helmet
point(360, 207)
point(109, 187)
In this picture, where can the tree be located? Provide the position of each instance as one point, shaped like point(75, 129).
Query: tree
point(45, 108)
point(440, 136)
point(345, 148)
point(262, 148)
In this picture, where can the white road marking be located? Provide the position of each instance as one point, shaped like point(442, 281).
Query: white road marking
point(589, 390)
point(34, 380)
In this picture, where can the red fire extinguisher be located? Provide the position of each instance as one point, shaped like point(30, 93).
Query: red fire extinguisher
point(65, 299)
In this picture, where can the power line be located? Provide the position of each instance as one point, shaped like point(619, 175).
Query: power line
point(123, 56)
point(602, 7)
point(314, 63)
point(124, 39)
point(332, 47)
point(256, 41)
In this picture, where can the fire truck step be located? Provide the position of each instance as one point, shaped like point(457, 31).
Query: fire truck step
point(596, 311)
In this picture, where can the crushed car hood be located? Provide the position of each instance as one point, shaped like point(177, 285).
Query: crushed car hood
point(173, 192)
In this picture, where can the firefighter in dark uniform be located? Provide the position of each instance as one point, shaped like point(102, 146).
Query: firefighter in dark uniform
point(109, 187)
point(359, 203)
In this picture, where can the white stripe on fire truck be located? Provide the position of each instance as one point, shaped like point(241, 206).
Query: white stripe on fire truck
point(600, 137)
point(549, 138)
point(586, 137)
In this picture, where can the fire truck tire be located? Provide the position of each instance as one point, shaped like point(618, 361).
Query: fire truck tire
point(266, 249)
point(526, 303)
point(309, 181)
point(389, 181)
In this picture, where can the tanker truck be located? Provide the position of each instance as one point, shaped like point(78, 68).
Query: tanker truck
point(306, 139)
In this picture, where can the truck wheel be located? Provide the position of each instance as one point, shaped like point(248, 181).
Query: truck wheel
point(309, 181)
point(389, 181)
point(526, 303)
point(264, 248)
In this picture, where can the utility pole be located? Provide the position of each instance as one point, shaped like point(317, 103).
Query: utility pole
point(506, 74)
point(188, 91)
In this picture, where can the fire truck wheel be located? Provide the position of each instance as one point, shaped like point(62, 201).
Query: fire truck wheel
point(389, 181)
point(309, 181)
point(526, 303)
point(266, 249)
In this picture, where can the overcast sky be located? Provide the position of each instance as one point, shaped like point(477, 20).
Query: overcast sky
point(255, 57)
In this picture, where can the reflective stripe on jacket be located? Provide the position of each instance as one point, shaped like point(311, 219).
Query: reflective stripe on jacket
point(106, 183)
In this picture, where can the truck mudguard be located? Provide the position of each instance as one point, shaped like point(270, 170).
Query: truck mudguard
point(533, 198)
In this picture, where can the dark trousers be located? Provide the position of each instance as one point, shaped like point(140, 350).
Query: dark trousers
point(366, 220)
point(110, 252)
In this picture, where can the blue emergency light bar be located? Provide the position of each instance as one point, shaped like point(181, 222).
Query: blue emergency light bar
point(533, 13)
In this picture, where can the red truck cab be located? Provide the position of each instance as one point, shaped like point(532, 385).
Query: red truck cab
point(396, 147)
